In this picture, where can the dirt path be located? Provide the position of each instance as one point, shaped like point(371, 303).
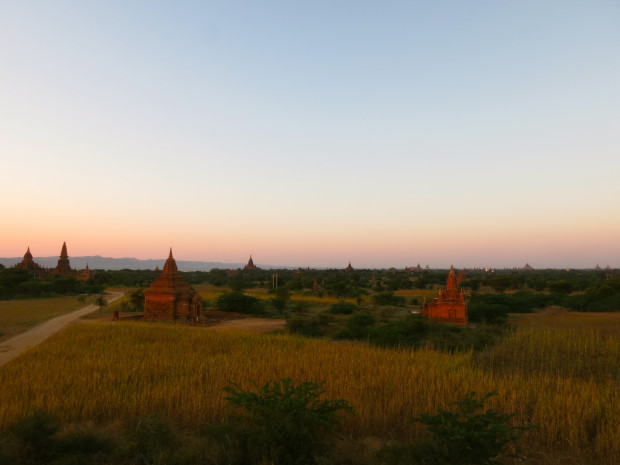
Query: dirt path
point(11, 348)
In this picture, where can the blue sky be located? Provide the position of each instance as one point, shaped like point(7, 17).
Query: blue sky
point(476, 133)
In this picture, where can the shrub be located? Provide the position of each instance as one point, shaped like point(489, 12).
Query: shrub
point(282, 423)
point(388, 298)
point(313, 326)
point(461, 437)
point(148, 438)
point(487, 313)
point(238, 302)
point(342, 308)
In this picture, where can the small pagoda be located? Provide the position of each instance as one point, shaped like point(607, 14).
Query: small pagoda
point(30, 265)
point(170, 297)
point(84, 275)
point(449, 306)
point(63, 268)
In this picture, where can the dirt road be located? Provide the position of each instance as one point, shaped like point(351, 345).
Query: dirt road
point(11, 348)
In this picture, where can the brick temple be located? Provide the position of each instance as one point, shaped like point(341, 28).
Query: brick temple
point(449, 306)
point(250, 265)
point(63, 268)
point(170, 297)
point(31, 266)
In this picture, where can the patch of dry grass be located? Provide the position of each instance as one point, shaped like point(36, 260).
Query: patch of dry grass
point(19, 315)
point(116, 371)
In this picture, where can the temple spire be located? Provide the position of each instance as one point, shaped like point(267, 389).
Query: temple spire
point(451, 279)
point(63, 252)
point(170, 266)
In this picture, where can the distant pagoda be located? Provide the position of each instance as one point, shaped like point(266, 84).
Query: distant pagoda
point(250, 265)
point(84, 275)
point(30, 265)
point(170, 297)
point(63, 268)
point(349, 268)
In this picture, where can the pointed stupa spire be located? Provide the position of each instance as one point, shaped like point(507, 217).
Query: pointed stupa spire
point(28, 255)
point(451, 279)
point(63, 252)
point(170, 266)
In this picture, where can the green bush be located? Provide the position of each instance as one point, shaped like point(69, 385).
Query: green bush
point(388, 298)
point(487, 313)
point(281, 423)
point(462, 437)
point(342, 308)
point(313, 326)
point(238, 302)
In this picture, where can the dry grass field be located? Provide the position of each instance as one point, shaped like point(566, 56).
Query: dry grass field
point(563, 379)
point(17, 316)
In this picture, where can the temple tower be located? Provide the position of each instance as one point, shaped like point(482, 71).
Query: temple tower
point(84, 275)
point(170, 297)
point(63, 268)
point(250, 265)
point(29, 264)
point(449, 306)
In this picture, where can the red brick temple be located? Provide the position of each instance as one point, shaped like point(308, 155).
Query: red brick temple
point(30, 265)
point(250, 265)
point(63, 268)
point(449, 306)
point(170, 298)
point(349, 267)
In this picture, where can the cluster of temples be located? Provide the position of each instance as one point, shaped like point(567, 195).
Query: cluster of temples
point(171, 298)
point(63, 267)
point(449, 306)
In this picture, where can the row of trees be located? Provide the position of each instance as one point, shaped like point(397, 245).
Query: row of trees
point(17, 283)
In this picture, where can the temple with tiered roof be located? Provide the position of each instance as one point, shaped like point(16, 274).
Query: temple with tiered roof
point(30, 265)
point(170, 297)
point(449, 306)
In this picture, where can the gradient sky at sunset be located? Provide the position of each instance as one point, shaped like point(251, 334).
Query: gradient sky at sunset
point(473, 133)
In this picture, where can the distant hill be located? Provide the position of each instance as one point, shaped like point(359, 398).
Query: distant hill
point(105, 263)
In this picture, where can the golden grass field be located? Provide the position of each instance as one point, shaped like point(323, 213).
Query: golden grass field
point(563, 379)
point(17, 316)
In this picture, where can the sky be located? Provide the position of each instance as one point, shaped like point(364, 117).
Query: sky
point(466, 133)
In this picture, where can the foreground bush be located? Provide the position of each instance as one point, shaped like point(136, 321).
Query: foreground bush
point(462, 437)
point(280, 422)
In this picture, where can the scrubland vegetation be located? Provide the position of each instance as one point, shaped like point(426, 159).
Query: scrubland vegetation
point(155, 393)
point(116, 372)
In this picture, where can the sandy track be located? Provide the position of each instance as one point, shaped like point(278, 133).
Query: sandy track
point(13, 347)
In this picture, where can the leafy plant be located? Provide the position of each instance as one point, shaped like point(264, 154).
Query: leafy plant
point(460, 437)
point(283, 423)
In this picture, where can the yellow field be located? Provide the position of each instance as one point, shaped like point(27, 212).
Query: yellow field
point(115, 371)
point(17, 316)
